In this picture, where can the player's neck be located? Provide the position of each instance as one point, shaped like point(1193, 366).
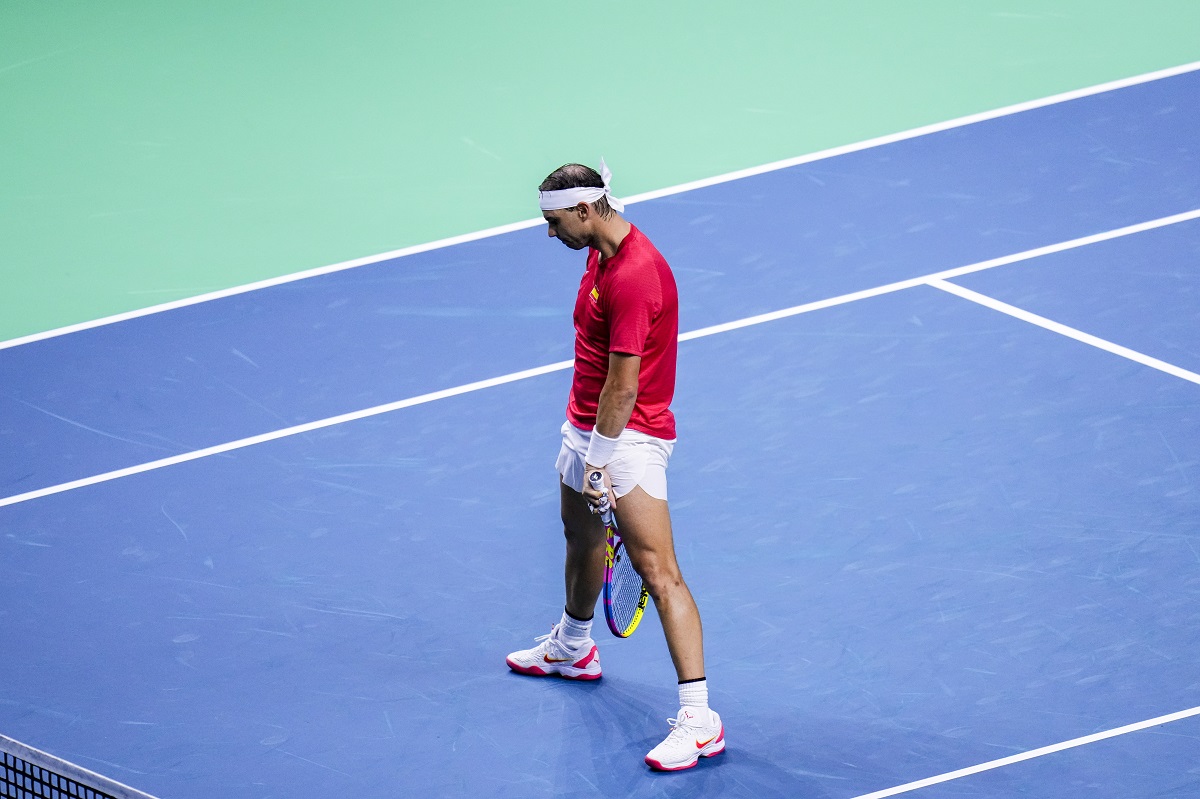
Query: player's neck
point(609, 236)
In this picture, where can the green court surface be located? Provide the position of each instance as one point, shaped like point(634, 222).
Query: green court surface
point(155, 151)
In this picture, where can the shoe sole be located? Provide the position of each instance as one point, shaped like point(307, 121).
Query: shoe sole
point(534, 671)
point(706, 752)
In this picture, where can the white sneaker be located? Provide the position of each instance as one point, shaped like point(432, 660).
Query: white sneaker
point(552, 657)
point(697, 733)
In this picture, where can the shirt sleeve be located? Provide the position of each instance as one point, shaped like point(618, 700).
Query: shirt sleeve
point(634, 302)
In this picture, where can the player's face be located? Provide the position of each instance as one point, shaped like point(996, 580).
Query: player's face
point(566, 226)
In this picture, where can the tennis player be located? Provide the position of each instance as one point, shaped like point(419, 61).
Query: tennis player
point(619, 421)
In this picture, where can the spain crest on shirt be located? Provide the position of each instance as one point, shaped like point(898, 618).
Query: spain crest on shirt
point(595, 295)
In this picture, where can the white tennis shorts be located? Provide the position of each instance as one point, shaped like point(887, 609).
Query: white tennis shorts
point(639, 460)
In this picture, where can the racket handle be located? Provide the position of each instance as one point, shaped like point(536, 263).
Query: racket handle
point(596, 479)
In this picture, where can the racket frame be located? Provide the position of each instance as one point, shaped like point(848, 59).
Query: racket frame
point(613, 545)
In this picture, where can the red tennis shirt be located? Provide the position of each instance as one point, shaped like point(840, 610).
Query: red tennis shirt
point(629, 304)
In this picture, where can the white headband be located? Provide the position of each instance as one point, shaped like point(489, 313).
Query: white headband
point(569, 198)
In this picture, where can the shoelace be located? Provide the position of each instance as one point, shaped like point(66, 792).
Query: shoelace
point(678, 730)
point(681, 729)
point(547, 636)
point(550, 635)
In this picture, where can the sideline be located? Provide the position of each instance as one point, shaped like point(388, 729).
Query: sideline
point(1033, 753)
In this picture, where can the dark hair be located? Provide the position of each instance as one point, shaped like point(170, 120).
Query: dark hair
point(575, 176)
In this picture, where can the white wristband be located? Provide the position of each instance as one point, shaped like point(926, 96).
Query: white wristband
point(600, 449)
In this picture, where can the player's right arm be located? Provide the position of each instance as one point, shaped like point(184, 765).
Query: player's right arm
point(619, 394)
point(617, 399)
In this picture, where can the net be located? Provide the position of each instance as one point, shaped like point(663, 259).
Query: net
point(27, 773)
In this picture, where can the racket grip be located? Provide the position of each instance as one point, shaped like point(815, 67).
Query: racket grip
point(596, 480)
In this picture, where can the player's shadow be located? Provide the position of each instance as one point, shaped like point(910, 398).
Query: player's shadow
point(617, 721)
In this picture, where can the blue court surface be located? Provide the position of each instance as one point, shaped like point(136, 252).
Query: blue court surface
point(942, 511)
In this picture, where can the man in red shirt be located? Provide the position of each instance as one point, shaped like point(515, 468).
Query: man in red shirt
point(619, 422)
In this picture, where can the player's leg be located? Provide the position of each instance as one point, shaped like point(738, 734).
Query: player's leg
point(645, 524)
point(697, 730)
point(584, 565)
point(569, 651)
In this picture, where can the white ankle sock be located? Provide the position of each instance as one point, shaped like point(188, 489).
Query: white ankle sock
point(573, 632)
point(693, 693)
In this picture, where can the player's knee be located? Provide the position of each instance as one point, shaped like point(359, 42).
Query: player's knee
point(581, 539)
point(663, 588)
point(572, 534)
point(661, 576)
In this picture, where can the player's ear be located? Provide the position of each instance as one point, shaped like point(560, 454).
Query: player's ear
point(583, 210)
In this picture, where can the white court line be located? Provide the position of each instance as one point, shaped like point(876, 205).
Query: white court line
point(563, 365)
point(308, 427)
point(1034, 753)
point(1037, 252)
point(1069, 332)
point(269, 282)
point(774, 166)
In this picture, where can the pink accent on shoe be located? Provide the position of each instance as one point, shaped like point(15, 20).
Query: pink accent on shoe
point(581, 676)
point(590, 657)
point(532, 670)
point(535, 671)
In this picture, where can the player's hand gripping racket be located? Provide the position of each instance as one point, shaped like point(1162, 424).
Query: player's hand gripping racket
point(625, 594)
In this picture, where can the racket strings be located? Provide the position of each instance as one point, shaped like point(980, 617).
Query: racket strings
point(626, 590)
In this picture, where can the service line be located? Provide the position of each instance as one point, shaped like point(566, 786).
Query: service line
point(1064, 330)
point(935, 279)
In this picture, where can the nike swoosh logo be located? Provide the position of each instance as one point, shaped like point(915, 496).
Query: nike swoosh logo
point(706, 743)
point(549, 659)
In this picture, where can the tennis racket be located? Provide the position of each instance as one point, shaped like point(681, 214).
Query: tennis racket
point(625, 595)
